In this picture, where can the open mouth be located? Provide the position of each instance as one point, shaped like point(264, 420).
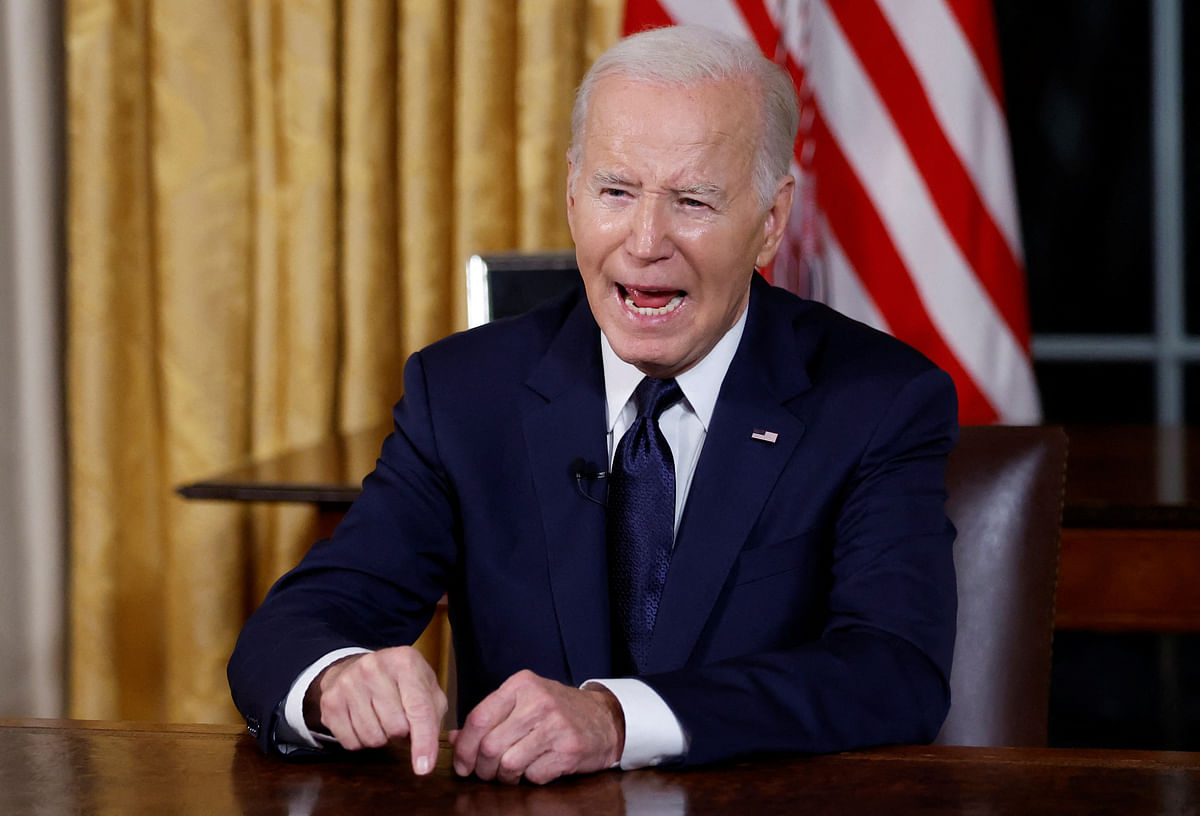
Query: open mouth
point(651, 302)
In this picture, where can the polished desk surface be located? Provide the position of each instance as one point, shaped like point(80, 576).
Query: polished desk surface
point(55, 766)
point(1133, 476)
point(1131, 517)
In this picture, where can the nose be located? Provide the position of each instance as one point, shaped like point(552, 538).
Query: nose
point(649, 233)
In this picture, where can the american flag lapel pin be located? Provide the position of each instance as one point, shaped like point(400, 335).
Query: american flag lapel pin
point(764, 436)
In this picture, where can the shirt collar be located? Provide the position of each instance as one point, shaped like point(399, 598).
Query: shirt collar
point(700, 384)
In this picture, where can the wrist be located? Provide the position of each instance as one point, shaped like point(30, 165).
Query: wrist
point(616, 718)
point(312, 695)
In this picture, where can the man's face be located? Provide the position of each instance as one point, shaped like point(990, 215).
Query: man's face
point(667, 224)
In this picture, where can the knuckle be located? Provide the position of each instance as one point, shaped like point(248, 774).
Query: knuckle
point(491, 747)
point(511, 766)
point(546, 706)
point(393, 658)
point(395, 727)
point(539, 776)
point(523, 679)
point(332, 698)
point(570, 743)
point(362, 670)
point(419, 709)
point(477, 719)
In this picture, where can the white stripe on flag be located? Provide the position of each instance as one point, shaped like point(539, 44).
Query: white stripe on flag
point(957, 305)
point(966, 109)
point(843, 290)
point(716, 14)
point(791, 18)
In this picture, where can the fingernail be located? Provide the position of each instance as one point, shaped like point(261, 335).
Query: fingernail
point(460, 769)
point(422, 765)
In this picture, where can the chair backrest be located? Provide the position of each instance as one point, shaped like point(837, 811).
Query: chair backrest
point(504, 284)
point(1005, 497)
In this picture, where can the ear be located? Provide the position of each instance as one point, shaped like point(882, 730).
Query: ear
point(775, 220)
point(570, 193)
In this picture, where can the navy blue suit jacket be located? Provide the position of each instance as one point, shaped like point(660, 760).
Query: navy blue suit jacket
point(810, 602)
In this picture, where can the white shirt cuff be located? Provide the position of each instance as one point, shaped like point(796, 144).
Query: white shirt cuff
point(293, 704)
point(653, 734)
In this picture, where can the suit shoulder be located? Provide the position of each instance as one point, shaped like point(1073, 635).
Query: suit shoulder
point(847, 374)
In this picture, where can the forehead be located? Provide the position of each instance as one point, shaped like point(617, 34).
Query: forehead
point(640, 121)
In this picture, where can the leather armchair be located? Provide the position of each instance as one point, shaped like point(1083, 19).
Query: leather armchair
point(1005, 497)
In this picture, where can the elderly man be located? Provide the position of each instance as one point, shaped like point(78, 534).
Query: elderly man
point(688, 517)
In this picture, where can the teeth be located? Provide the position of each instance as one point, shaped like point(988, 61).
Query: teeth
point(651, 312)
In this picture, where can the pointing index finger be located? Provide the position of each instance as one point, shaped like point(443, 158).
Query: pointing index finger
point(423, 707)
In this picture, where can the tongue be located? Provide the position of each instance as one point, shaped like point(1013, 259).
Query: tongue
point(651, 299)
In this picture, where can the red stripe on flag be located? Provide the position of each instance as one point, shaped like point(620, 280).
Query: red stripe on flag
point(643, 14)
point(769, 38)
point(761, 26)
point(977, 20)
point(951, 187)
point(864, 238)
point(770, 41)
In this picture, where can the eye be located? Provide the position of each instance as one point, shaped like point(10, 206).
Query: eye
point(693, 203)
point(613, 192)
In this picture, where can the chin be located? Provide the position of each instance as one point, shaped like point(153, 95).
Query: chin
point(654, 362)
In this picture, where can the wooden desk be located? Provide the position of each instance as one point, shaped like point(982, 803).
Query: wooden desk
point(1130, 553)
point(54, 766)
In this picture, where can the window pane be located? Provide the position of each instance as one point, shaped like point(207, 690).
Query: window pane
point(1077, 77)
point(1125, 690)
point(1191, 158)
point(1106, 393)
point(1191, 393)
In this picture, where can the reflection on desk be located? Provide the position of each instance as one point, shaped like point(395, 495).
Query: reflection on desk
point(54, 766)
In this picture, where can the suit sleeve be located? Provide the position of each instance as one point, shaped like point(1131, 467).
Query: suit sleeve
point(879, 671)
point(374, 584)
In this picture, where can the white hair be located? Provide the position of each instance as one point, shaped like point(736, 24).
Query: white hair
point(688, 55)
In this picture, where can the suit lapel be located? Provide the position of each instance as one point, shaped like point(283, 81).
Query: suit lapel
point(565, 435)
point(734, 476)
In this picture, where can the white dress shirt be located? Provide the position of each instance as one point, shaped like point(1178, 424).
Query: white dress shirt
point(652, 732)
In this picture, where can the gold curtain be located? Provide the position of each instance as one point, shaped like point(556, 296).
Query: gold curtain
point(270, 205)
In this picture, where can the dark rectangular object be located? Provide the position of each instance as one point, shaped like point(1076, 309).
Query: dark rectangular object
point(511, 283)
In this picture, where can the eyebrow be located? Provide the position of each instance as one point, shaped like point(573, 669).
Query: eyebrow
point(605, 178)
point(701, 189)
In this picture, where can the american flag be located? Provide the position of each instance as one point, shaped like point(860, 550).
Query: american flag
point(906, 215)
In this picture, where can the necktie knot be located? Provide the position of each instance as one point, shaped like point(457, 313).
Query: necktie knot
point(652, 396)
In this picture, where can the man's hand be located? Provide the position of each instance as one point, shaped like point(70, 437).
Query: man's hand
point(368, 699)
point(539, 729)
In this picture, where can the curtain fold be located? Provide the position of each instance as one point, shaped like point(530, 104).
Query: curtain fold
point(426, 216)
point(270, 206)
point(117, 482)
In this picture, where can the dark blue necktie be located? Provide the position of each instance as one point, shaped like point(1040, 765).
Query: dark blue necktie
point(641, 523)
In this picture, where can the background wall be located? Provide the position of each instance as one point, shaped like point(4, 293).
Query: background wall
point(32, 518)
